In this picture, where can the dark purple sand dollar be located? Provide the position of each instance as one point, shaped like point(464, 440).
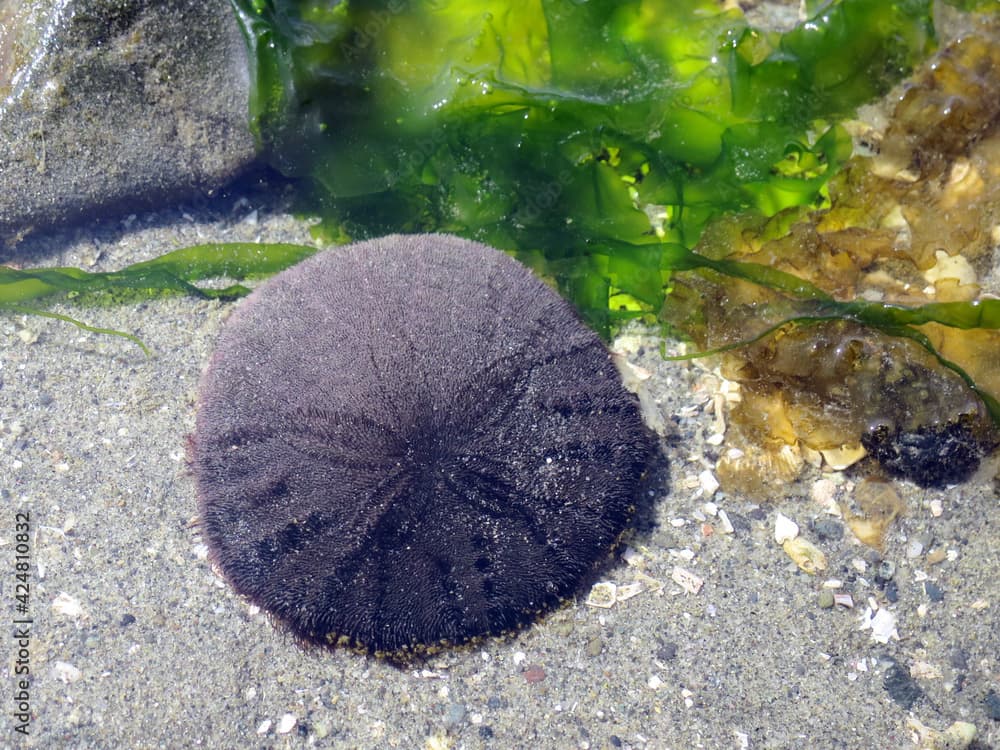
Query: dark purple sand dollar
point(409, 442)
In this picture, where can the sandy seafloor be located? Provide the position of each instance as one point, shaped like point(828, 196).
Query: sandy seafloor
point(137, 643)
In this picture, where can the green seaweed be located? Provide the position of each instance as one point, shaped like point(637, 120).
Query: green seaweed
point(174, 272)
point(578, 136)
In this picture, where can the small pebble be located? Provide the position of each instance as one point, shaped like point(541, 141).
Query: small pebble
point(594, 647)
point(936, 556)
point(934, 592)
point(892, 592)
point(902, 688)
point(286, 723)
point(828, 529)
point(667, 652)
point(127, 620)
point(455, 716)
point(886, 570)
point(825, 599)
point(533, 674)
point(843, 599)
point(959, 658)
point(914, 548)
point(992, 701)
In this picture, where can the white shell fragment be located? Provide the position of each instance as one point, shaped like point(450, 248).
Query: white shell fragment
point(687, 580)
point(606, 594)
point(602, 594)
point(726, 524)
point(286, 723)
point(882, 624)
point(785, 529)
point(709, 484)
point(66, 672)
point(628, 590)
point(67, 605)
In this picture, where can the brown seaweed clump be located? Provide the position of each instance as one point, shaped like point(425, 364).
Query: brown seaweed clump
point(914, 223)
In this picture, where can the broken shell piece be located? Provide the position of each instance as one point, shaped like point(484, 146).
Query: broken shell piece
point(648, 583)
point(785, 529)
point(812, 456)
point(882, 624)
point(840, 458)
point(759, 471)
point(805, 554)
point(726, 525)
point(709, 484)
point(956, 737)
point(965, 184)
point(634, 557)
point(955, 267)
point(67, 605)
point(687, 580)
point(879, 506)
point(602, 594)
point(628, 590)
point(66, 672)
point(844, 600)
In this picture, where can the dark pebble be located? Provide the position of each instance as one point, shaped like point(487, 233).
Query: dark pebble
point(892, 592)
point(741, 524)
point(959, 658)
point(494, 703)
point(127, 620)
point(902, 688)
point(757, 514)
point(934, 592)
point(44, 399)
point(615, 740)
point(885, 572)
point(667, 652)
point(992, 701)
point(486, 732)
point(828, 530)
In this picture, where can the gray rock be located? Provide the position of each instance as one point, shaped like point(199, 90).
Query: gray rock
point(109, 105)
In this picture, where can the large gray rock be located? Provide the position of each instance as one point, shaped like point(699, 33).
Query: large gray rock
point(110, 105)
